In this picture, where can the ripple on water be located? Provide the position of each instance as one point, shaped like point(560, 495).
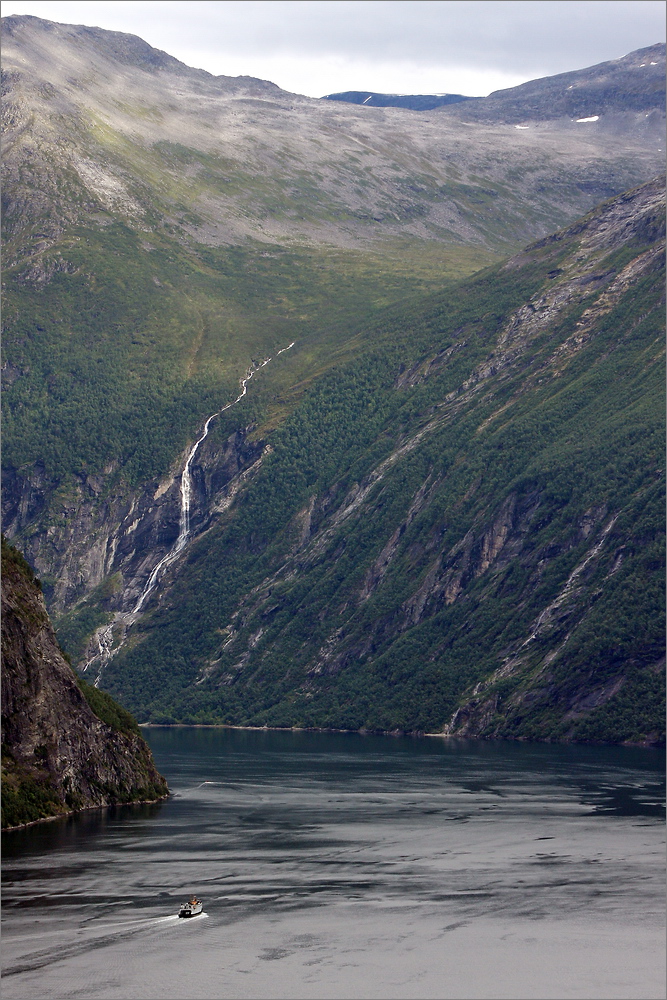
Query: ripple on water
point(341, 866)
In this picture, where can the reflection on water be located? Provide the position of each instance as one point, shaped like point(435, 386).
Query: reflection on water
point(336, 865)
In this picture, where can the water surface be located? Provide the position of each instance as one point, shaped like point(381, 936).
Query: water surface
point(337, 865)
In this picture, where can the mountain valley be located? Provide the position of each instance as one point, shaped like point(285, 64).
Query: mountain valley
point(438, 506)
point(463, 529)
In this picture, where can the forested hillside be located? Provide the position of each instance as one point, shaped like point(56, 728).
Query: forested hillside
point(165, 231)
point(461, 531)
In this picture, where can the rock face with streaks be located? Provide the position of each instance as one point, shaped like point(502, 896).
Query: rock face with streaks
point(125, 534)
point(62, 750)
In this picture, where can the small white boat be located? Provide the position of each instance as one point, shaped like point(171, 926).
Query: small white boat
point(192, 908)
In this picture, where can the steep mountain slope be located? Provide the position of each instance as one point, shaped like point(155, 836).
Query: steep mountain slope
point(165, 230)
point(463, 531)
point(65, 746)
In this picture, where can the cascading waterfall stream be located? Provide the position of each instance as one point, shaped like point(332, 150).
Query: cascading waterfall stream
point(104, 635)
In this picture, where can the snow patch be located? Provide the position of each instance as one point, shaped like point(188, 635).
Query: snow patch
point(593, 118)
point(522, 126)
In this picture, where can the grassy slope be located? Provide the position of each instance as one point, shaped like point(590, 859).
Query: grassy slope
point(583, 445)
point(120, 360)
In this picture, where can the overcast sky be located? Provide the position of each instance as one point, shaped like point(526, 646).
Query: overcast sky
point(317, 47)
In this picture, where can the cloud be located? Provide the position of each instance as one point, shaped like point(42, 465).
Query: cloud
point(317, 46)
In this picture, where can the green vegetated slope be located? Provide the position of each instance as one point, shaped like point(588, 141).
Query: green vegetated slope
point(461, 530)
point(164, 230)
point(136, 338)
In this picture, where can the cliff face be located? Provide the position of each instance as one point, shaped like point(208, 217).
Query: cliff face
point(96, 532)
point(58, 754)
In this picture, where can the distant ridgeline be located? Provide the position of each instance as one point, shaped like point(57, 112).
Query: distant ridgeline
point(416, 102)
point(65, 745)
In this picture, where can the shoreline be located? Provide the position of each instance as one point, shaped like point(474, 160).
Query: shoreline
point(398, 733)
point(76, 812)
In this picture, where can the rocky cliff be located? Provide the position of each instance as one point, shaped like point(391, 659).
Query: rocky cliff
point(65, 746)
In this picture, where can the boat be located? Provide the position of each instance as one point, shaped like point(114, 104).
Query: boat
point(192, 908)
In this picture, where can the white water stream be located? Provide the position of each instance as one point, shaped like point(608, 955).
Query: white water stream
point(104, 635)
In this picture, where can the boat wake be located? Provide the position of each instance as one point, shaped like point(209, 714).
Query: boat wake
point(103, 937)
point(183, 792)
point(175, 919)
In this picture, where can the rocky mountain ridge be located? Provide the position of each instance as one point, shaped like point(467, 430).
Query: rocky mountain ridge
point(416, 102)
point(634, 83)
point(97, 121)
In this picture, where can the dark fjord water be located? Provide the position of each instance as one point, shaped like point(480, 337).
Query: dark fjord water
point(343, 866)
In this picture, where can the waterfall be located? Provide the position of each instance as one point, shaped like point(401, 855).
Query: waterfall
point(184, 523)
point(186, 490)
point(104, 635)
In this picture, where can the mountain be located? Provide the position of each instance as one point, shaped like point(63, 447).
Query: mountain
point(98, 123)
point(65, 745)
point(416, 102)
point(620, 93)
point(633, 85)
point(462, 532)
point(168, 234)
